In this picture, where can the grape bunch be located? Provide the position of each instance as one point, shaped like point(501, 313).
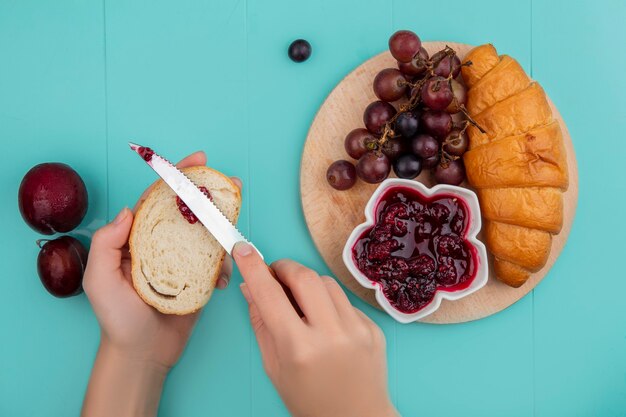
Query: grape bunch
point(424, 130)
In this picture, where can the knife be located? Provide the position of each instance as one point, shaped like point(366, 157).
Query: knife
point(204, 209)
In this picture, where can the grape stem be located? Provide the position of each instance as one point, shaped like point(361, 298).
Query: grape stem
point(40, 241)
point(471, 120)
point(416, 99)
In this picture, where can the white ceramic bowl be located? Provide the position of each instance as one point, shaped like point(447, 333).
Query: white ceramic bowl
point(482, 271)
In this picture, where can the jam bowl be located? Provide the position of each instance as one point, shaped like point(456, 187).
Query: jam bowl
point(417, 247)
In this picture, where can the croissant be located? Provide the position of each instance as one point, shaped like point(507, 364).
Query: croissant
point(517, 164)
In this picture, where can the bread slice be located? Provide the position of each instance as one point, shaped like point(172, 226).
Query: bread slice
point(515, 115)
point(536, 158)
point(507, 78)
point(528, 248)
point(533, 207)
point(483, 59)
point(175, 264)
point(510, 273)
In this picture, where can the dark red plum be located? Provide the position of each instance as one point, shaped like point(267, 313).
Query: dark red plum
point(52, 198)
point(61, 264)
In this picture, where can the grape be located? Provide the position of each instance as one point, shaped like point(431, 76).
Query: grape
point(373, 167)
point(431, 162)
point(406, 124)
point(436, 123)
point(447, 64)
point(452, 173)
point(425, 146)
point(341, 175)
point(459, 93)
point(358, 142)
point(393, 148)
point(455, 143)
point(404, 44)
point(436, 93)
point(389, 85)
point(376, 115)
point(299, 50)
point(407, 166)
point(417, 65)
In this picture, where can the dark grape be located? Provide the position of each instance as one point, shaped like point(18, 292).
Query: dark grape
point(389, 85)
point(359, 141)
point(431, 162)
point(425, 146)
point(436, 123)
point(373, 167)
point(406, 124)
point(459, 97)
point(407, 166)
point(452, 173)
point(436, 93)
point(417, 65)
point(446, 65)
point(404, 44)
point(299, 50)
point(393, 148)
point(376, 115)
point(455, 143)
point(341, 175)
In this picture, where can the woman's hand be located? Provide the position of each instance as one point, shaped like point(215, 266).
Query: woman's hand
point(331, 363)
point(138, 344)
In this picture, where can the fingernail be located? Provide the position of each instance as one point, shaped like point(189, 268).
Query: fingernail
point(121, 216)
point(242, 249)
point(222, 282)
point(246, 293)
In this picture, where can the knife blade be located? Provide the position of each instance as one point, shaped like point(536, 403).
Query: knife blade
point(200, 205)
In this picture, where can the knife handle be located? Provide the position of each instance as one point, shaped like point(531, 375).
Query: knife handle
point(290, 296)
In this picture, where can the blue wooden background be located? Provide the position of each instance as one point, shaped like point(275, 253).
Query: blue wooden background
point(79, 78)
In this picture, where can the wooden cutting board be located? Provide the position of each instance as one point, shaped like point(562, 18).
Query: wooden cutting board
point(331, 215)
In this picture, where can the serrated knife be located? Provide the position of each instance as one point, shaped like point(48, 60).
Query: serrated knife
point(204, 209)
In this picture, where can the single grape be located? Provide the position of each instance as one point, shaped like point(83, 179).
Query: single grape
point(359, 141)
point(389, 85)
point(393, 148)
point(425, 146)
point(436, 123)
point(452, 173)
point(455, 143)
point(406, 124)
point(341, 175)
point(459, 93)
point(431, 162)
point(299, 50)
point(407, 166)
point(417, 65)
point(376, 115)
point(373, 167)
point(436, 93)
point(404, 44)
point(445, 64)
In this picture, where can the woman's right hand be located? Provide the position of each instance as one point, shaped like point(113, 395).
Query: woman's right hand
point(331, 363)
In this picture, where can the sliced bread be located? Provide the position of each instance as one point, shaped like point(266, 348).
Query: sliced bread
point(175, 264)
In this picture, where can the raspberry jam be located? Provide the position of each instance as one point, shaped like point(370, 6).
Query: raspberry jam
point(146, 153)
point(184, 210)
point(417, 247)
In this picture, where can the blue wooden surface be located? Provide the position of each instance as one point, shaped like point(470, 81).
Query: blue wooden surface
point(80, 78)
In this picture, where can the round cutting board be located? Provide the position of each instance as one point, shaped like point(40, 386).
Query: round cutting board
point(331, 215)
